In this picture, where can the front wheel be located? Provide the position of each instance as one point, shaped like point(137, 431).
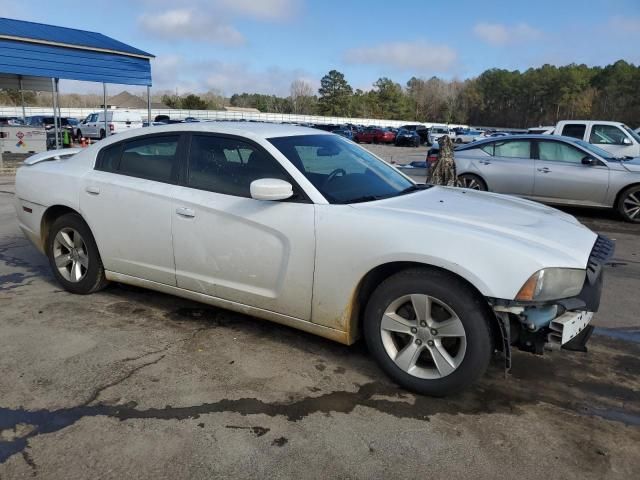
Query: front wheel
point(74, 257)
point(629, 204)
point(429, 331)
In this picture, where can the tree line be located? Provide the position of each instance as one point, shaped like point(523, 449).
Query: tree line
point(497, 97)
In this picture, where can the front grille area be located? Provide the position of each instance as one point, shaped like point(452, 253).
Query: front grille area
point(601, 252)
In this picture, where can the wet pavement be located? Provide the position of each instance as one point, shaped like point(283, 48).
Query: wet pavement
point(130, 383)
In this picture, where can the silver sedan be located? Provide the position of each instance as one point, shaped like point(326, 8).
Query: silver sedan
point(552, 169)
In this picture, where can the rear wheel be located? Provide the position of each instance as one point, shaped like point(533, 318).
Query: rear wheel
point(73, 255)
point(102, 134)
point(473, 182)
point(629, 204)
point(428, 331)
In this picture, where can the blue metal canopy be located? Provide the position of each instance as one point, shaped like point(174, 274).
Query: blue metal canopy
point(38, 50)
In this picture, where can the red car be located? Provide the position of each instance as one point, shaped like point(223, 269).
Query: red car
point(375, 135)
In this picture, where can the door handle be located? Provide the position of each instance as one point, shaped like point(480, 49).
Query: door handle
point(485, 162)
point(544, 170)
point(92, 190)
point(185, 212)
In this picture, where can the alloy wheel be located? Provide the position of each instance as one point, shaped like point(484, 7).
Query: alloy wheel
point(70, 255)
point(469, 182)
point(631, 205)
point(423, 336)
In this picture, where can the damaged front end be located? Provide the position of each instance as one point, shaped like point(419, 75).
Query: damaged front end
point(559, 324)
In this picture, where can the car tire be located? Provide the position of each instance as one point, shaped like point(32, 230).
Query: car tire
point(74, 257)
point(471, 181)
point(629, 204)
point(79, 135)
point(102, 134)
point(461, 360)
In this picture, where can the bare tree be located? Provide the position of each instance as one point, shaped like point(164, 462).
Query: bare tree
point(301, 96)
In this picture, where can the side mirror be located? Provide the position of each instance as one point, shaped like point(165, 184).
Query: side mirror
point(270, 189)
point(588, 160)
point(626, 141)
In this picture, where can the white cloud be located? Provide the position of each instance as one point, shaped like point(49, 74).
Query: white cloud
point(173, 71)
point(189, 24)
point(499, 34)
point(418, 55)
point(260, 9)
point(625, 24)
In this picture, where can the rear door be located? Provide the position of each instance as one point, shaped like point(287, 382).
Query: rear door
point(127, 200)
point(507, 166)
point(574, 129)
point(562, 177)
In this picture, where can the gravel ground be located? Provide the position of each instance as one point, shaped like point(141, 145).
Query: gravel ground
point(130, 383)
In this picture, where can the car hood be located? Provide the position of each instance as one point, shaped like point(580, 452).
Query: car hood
point(632, 165)
point(504, 216)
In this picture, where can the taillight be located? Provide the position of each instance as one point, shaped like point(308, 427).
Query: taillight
point(111, 127)
point(432, 159)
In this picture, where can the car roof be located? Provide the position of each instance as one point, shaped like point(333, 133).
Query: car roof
point(255, 130)
point(523, 136)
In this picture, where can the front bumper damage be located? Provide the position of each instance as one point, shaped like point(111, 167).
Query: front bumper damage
point(561, 324)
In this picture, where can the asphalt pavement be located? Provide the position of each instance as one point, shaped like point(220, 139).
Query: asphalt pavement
point(129, 383)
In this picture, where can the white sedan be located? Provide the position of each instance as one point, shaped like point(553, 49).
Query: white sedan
point(307, 229)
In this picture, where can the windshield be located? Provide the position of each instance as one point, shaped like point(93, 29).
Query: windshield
point(597, 150)
point(341, 170)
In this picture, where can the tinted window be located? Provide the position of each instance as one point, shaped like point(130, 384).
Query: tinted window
point(154, 158)
point(515, 149)
point(228, 166)
point(607, 135)
point(559, 152)
point(575, 130)
point(109, 157)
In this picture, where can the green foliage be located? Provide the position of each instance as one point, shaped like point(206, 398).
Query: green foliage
point(497, 97)
point(335, 95)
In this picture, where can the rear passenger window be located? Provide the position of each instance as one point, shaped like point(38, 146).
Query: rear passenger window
point(515, 149)
point(575, 130)
point(153, 158)
point(228, 166)
point(109, 157)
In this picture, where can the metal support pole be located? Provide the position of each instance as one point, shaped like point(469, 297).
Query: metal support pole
point(58, 103)
point(55, 112)
point(24, 115)
point(148, 105)
point(104, 104)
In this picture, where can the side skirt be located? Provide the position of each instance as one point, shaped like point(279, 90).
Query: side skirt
point(320, 330)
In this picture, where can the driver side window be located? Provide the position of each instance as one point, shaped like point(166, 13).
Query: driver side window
point(228, 166)
point(607, 135)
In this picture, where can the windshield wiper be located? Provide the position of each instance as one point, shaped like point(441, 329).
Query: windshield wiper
point(365, 198)
point(414, 188)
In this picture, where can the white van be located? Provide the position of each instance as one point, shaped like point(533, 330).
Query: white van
point(614, 137)
point(117, 121)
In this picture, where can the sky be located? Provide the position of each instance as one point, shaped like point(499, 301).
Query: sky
point(261, 46)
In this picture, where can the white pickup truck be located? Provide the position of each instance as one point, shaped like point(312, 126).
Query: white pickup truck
point(614, 137)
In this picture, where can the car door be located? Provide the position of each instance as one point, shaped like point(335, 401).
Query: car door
point(612, 139)
point(91, 128)
point(128, 202)
point(506, 166)
point(231, 246)
point(562, 177)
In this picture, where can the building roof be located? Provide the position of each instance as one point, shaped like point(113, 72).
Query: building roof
point(241, 109)
point(125, 99)
point(30, 49)
point(12, 29)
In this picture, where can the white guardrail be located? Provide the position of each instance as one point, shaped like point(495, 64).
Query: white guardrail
point(81, 113)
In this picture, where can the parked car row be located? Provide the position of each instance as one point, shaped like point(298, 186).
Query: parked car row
point(559, 170)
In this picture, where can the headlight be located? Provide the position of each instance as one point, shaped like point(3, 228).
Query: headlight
point(552, 284)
